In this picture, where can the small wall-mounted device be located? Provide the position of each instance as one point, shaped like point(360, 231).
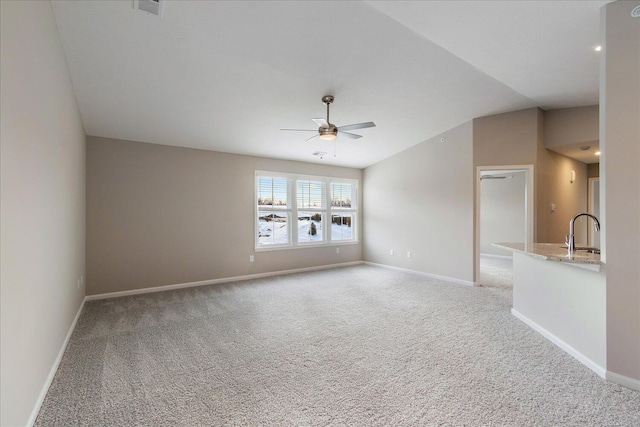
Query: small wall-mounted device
point(572, 177)
point(153, 7)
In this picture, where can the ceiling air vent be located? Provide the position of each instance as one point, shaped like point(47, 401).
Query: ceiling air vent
point(153, 7)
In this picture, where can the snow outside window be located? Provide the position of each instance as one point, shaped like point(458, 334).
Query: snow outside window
point(311, 210)
point(342, 211)
point(297, 210)
point(274, 211)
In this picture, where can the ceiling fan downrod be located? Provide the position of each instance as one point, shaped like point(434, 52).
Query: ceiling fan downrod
point(327, 131)
point(327, 99)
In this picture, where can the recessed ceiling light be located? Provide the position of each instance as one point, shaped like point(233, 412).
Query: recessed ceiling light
point(597, 153)
point(585, 148)
point(597, 48)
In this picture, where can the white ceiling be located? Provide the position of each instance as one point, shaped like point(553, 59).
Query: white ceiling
point(226, 76)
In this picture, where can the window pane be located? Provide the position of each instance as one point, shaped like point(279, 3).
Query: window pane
point(340, 195)
point(309, 227)
point(341, 228)
point(272, 192)
point(322, 210)
point(310, 194)
point(272, 228)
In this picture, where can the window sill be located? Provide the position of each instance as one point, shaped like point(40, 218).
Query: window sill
point(306, 246)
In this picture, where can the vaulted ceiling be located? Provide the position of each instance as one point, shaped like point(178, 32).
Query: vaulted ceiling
point(227, 75)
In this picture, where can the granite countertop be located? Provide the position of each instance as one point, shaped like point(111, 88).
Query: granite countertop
point(552, 252)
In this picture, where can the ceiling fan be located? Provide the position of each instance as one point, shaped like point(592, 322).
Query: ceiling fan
point(328, 131)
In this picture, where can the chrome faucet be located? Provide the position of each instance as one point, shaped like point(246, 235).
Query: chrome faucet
point(571, 240)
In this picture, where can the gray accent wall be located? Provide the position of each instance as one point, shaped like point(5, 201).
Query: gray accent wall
point(43, 205)
point(421, 201)
point(620, 184)
point(160, 215)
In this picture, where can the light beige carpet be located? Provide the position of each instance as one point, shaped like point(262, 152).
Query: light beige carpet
point(496, 272)
point(350, 346)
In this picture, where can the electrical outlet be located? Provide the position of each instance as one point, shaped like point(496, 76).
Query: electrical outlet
point(251, 259)
point(337, 250)
point(408, 254)
point(391, 252)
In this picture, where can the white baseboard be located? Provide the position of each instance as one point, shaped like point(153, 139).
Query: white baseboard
point(420, 273)
point(563, 345)
point(628, 382)
point(496, 256)
point(215, 281)
point(54, 368)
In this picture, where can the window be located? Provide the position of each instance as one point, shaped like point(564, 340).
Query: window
point(342, 211)
point(298, 211)
point(311, 210)
point(274, 212)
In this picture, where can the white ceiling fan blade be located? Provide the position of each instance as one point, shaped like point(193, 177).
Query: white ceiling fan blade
point(314, 136)
point(301, 130)
point(321, 122)
point(350, 135)
point(357, 126)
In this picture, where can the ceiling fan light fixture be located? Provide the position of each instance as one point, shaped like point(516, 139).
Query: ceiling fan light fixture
point(328, 134)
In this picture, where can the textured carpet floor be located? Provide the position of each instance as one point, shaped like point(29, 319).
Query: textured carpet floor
point(350, 346)
point(496, 272)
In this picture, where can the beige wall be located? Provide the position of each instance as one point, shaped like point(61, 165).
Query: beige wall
point(421, 200)
point(568, 126)
point(517, 138)
point(620, 185)
point(593, 170)
point(553, 186)
point(160, 215)
point(42, 202)
point(553, 180)
point(506, 139)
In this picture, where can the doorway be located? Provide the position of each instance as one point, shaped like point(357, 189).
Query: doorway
point(504, 212)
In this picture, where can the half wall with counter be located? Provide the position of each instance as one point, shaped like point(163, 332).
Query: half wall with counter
point(563, 297)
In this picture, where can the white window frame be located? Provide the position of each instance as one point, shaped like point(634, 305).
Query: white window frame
point(292, 208)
